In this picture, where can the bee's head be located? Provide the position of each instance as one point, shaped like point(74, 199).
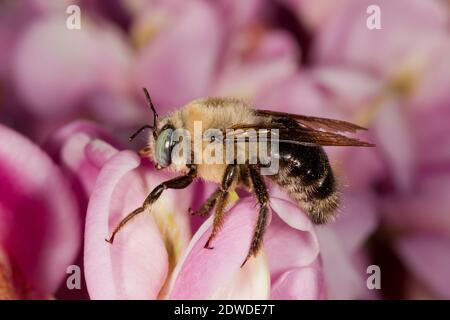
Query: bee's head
point(161, 141)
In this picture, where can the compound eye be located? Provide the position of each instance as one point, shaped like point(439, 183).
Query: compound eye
point(164, 147)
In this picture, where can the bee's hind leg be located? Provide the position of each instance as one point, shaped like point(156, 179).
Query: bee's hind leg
point(261, 194)
point(176, 183)
point(221, 200)
point(207, 205)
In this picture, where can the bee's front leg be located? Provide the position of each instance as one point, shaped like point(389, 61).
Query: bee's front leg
point(176, 183)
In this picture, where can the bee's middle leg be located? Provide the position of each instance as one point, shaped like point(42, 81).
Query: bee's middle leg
point(221, 201)
point(207, 205)
point(260, 191)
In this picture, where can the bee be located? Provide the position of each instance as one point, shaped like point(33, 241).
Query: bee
point(304, 170)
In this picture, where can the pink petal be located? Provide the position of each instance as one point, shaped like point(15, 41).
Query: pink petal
point(250, 79)
point(331, 92)
point(434, 131)
point(14, 19)
point(425, 208)
point(80, 152)
point(80, 148)
point(118, 109)
point(290, 241)
point(84, 157)
point(427, 256)
point(343, 277)
point(345, 39)
point(41, 71)
point(433, 93)
point(54, 144)
point(294, 94)
point(342, 241)
point(361, 169)
point(357, 220)
point(40, 229)
point(240, 14)
point(299, 284)
point(56, 68)
point(135, 266)
point(178, 65)
point(345, 87)
point(204, 271)
point(394, 139)
point(292, 249)
point(252, 282)
point(275, 45)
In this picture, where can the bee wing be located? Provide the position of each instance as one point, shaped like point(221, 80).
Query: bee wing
point(302, 136)
point(329, 125)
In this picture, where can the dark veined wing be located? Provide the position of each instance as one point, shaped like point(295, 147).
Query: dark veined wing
point(329, 125)
point(295, 135)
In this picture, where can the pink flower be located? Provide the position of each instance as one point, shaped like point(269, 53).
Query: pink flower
point(162, 66)
point(14, 18)
point(418, 225)
point(394, 196)
point(406, 117)
point(70, 147)
point(100, 77)
point(156, 256)
point(98, 67)
point(81, 149)
point(199, 40)
point(345, 39)
point(39, 224)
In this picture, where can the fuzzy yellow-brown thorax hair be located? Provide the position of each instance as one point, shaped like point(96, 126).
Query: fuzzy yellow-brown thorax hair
point(217, 113)
point(213, 113)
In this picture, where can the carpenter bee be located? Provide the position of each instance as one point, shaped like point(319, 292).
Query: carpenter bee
point(304, 170)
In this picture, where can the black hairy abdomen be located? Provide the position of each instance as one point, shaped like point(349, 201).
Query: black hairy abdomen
point(305, 173)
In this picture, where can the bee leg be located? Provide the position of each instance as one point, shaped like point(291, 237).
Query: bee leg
point(221, 201)
point(207, 206)
point(218, 218)
point(176, 183)
point(260, 191)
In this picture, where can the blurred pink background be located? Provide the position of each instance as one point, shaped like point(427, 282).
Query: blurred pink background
point(69, 99)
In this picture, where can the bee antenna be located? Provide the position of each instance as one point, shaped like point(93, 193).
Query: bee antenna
point(131, 138)
point(150, 104)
